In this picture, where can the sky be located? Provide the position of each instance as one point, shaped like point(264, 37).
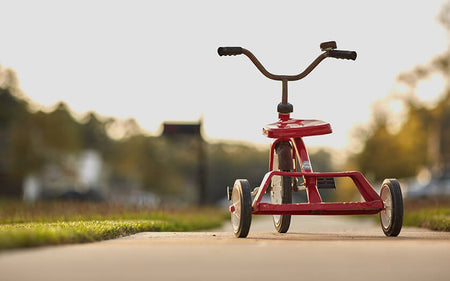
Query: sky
point(157, 61)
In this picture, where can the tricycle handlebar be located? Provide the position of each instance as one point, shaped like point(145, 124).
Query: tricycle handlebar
point(348, 55)
point(328, 52)
point(229, 51)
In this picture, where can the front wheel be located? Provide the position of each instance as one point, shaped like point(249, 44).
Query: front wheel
point(241, 208)
point(281, 187)
point(392, 216)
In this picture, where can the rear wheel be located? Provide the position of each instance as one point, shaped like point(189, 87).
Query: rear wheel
point(241, 208)
point(392, 216)
point(281, 187)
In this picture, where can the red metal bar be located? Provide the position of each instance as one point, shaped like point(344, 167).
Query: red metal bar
point(306, 167)
point(364, 187)
point(352, 208)
point(272, 152)
point(372, 205)
point(263, 187)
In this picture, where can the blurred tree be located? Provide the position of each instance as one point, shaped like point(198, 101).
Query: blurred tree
point(394, 155)
point(321, 160)
point(12, 108)
point(438, 119)
point(27, 152)
point(13, 111)
point(60, 130)
point(439, 141)
point(94, 133)
point(424, 138)
point(228, 162)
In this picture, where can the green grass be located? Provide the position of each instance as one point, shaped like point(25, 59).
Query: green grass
point(431, 218)
point(431, 214)
point(53, 223)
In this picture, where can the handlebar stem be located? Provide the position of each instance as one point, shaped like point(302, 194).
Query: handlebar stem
point(284, 97)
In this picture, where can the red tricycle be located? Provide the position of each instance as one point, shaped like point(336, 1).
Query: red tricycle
point(290, 168)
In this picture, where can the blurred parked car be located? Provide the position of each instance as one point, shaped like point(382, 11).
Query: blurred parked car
point(437, 187)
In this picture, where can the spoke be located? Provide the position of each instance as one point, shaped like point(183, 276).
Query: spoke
point(236, 215)
point(386, 214)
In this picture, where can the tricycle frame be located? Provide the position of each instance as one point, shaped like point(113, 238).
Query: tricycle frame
point(315, 206)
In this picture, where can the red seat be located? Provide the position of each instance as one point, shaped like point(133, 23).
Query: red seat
point(293, 128)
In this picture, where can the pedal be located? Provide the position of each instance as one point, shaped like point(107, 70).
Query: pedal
point(300, 187)
point(326, 183)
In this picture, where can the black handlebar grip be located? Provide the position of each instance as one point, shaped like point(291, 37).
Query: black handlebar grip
point(348, 55)
point(229, 51)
